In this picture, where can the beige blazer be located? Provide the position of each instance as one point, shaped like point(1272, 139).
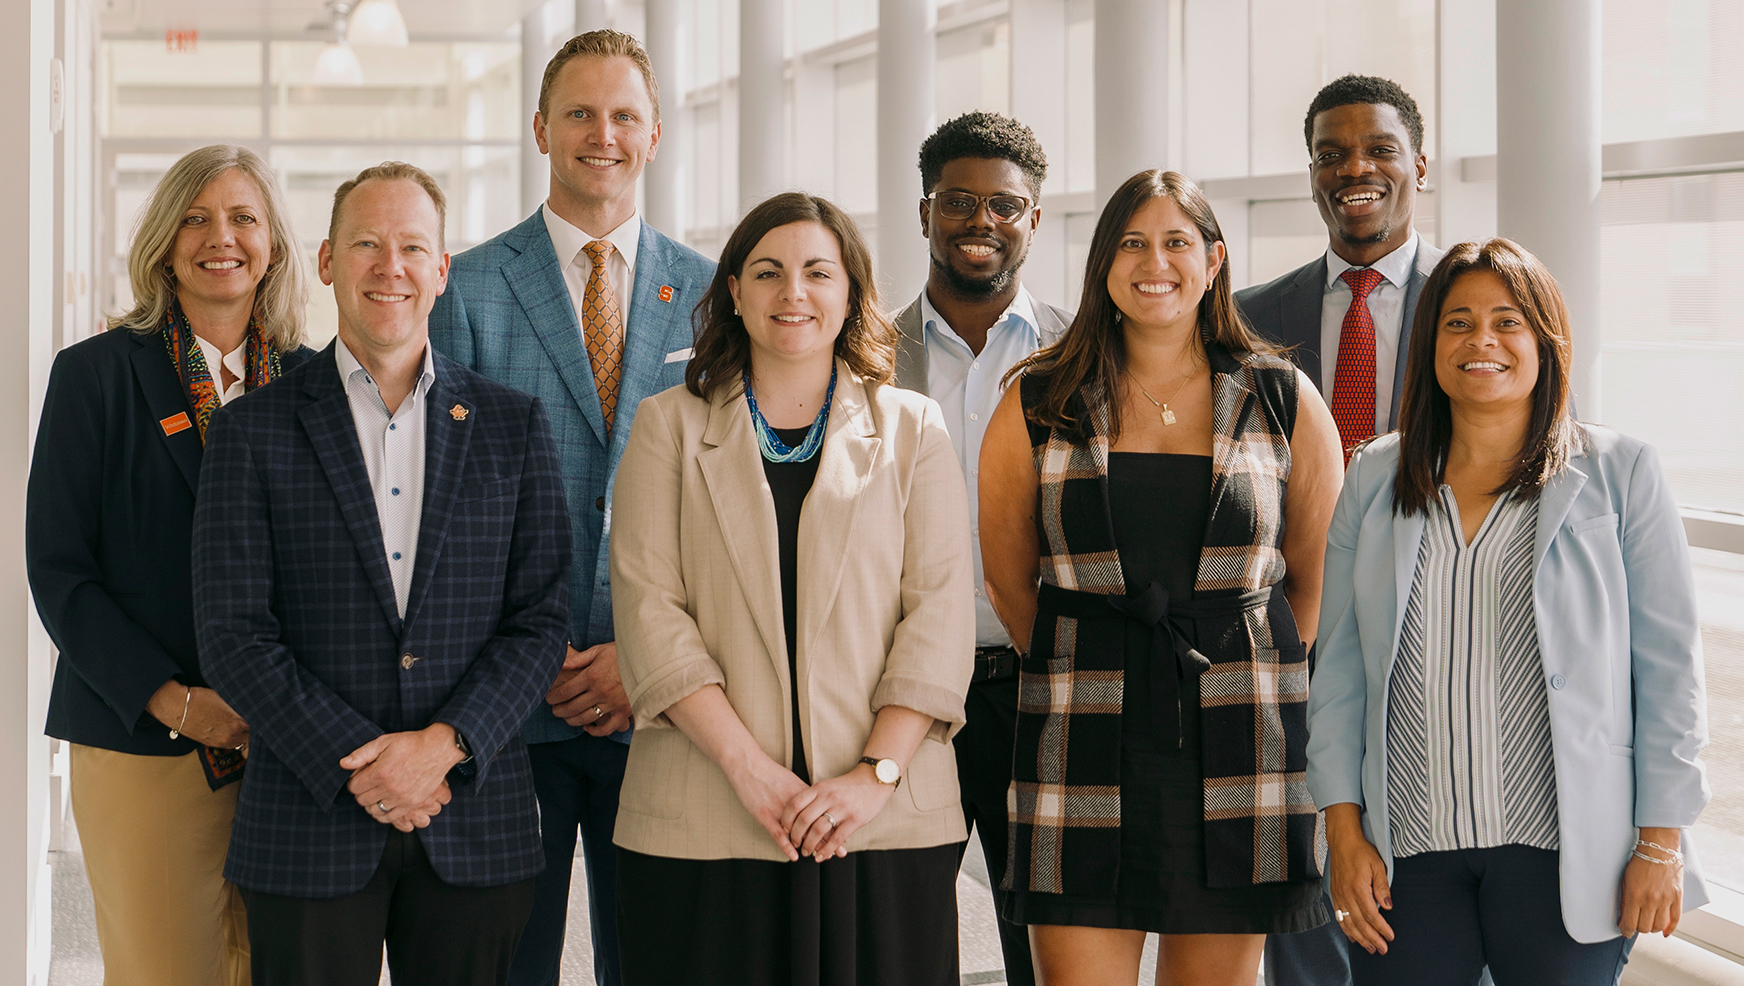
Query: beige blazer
point(886, 610)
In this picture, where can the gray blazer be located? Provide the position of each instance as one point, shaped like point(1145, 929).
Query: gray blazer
point(911, 352)
point(1287, 311)
point(1618, 634)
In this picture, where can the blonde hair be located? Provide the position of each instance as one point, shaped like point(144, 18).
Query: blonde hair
point(281, 299)
point(394, 171)
point(604, 43)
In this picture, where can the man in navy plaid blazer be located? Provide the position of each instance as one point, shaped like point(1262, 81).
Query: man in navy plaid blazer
point(381, 558)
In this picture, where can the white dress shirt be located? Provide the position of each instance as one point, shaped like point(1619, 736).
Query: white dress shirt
point(967, 389)
point(393, 453)
point(236, 361)
point(1386, 307)
point(567, 240)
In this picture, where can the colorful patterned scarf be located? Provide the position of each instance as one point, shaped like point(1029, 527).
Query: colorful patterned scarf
point(262, 363)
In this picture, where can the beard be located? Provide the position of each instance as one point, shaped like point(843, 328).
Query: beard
point(1379, 236)
point(984, 286)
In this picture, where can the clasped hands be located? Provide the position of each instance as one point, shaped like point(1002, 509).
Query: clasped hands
point(588, 692)
point(400, 779)
point(808, 820)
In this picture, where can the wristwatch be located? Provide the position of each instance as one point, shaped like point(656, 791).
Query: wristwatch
point(465, 751)
point(886, 770)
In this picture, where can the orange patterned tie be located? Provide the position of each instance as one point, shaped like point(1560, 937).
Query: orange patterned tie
point(602, 328)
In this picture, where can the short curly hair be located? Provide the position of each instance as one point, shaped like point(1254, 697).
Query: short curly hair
point(1351, 89)
point(983, 135)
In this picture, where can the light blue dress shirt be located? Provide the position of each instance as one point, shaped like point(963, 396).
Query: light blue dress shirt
point(967, 388)
point(393, 453)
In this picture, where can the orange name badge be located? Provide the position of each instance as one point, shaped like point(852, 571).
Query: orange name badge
point(176, 422)
point(665, 292)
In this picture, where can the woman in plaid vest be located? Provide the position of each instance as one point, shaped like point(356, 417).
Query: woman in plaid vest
point(1167, 479)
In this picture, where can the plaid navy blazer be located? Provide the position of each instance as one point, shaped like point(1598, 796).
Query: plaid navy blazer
point(299, 631)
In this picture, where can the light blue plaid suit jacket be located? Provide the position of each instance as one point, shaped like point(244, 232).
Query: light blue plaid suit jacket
point(507, 314)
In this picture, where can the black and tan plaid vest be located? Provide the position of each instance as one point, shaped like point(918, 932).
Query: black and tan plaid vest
point(1065, 795)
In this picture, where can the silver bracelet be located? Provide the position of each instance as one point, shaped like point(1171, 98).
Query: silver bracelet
point(1675, 860)
point(186, 701)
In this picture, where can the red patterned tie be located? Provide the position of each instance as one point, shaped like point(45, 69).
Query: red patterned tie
point(1353, 383)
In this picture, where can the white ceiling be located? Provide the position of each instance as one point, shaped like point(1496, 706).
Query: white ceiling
point(150, 18)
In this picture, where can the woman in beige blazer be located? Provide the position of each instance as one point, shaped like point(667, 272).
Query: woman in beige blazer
point(791, 590)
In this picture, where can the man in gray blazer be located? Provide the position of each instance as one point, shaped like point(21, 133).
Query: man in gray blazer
point(981, 175)
point(588, 308)
point(1347, 316)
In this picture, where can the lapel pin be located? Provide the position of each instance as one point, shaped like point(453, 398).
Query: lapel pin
point(457, 412)
point(666, 292)
point(175, 423)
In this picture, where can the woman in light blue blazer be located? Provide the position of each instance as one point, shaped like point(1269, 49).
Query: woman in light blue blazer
point(1505, 719)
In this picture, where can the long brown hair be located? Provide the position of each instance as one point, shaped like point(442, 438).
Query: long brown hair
point(1091, 355)
point(1553, 438)
point(867, 342)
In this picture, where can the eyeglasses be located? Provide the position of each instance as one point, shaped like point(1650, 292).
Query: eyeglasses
point(962, 205)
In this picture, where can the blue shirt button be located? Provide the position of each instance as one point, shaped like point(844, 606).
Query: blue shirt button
point(395, 491)
point(397, 558)
point(390, 426)
point(1557, 681)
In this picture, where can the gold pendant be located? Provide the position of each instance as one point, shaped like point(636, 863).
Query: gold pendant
point(1167, 415)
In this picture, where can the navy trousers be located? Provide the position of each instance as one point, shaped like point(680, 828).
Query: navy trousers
point(577, 781)
point(984, 748)
point(1455, 911)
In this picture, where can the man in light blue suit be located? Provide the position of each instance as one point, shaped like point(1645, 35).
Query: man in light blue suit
point(588, 308)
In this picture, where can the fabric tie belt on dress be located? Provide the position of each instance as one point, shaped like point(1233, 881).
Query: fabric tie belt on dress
point(1152, 608)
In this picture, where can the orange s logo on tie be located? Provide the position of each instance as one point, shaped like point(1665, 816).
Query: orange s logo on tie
point(666, 292)
point(175, 423)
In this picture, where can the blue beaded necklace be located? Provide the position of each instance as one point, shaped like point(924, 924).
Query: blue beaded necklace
point(776, 450)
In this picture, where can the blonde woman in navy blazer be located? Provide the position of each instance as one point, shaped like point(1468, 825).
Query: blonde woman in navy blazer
point(1613, 603)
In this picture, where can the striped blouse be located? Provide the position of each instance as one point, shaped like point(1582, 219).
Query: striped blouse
point(1468, 718)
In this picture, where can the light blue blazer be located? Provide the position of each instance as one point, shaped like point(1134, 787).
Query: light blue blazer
point(507, 314)
point(1617, 630)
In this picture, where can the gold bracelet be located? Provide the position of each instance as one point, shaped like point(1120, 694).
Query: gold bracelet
point(186, 701)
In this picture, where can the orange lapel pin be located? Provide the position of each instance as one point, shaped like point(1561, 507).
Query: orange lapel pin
point(175, 423)
point(457, 412)
point(666, 292)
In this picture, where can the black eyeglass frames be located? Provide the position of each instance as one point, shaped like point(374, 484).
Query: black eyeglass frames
point(962, 205)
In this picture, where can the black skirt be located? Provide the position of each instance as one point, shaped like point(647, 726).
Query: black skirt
point(877, 918)
point(1158, 504)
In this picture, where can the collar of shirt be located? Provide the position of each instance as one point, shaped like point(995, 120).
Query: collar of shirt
point(349, 368)
point(236, 361)
point(1395, 266)
point(1019, 315)
point(567, 239)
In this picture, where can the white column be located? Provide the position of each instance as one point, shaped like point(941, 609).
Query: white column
point(1465, 121)
point(591, 15)
point(664, 178)
point(762, 110)
point(1038, 99)
point(27, 260)
point(537, 47)
point(907, 60)
point(1548, 158)
point(1132, 91)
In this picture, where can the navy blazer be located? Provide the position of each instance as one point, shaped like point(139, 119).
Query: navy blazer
point(300, 632)
point(108, 519)
point(507, 314)
point(1287, 311)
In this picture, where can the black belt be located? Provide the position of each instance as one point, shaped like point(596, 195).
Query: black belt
point(993, 663)
point(1153, 608)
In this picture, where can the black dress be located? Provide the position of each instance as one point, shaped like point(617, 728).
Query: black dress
point(1159, 504)
point(875, 918)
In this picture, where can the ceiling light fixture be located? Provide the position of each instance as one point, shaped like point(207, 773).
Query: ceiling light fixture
point(337, 64)
point(378, 22)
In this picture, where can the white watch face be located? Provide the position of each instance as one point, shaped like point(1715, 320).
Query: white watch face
point(888, 772)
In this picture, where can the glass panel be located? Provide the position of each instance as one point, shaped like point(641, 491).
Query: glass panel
point(1673, 327)
point(974, 70)
point(1300, 45)
point(857, 135)
point(422, 91)
point(1719, 586)
point(209, 93)
point(1672, 68)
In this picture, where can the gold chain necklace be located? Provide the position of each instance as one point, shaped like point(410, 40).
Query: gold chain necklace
point(1163, 412)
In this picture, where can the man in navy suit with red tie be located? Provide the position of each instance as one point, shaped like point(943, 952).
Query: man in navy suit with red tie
point(381, 558)
point(1348, 313)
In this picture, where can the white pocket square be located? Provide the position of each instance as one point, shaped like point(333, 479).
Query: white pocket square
point(679, 355)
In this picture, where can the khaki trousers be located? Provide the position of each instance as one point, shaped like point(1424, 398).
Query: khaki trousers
point(155, 837)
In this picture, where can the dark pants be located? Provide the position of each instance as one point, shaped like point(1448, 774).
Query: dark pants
point(984, 748)
point(577, 781)
point(1316, 957)
point(436, 933)
point(1454, 911)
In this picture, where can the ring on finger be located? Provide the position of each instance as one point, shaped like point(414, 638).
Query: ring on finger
point(598, 713)
point(1340, 915)
point(384, 809)
point(832, 819)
